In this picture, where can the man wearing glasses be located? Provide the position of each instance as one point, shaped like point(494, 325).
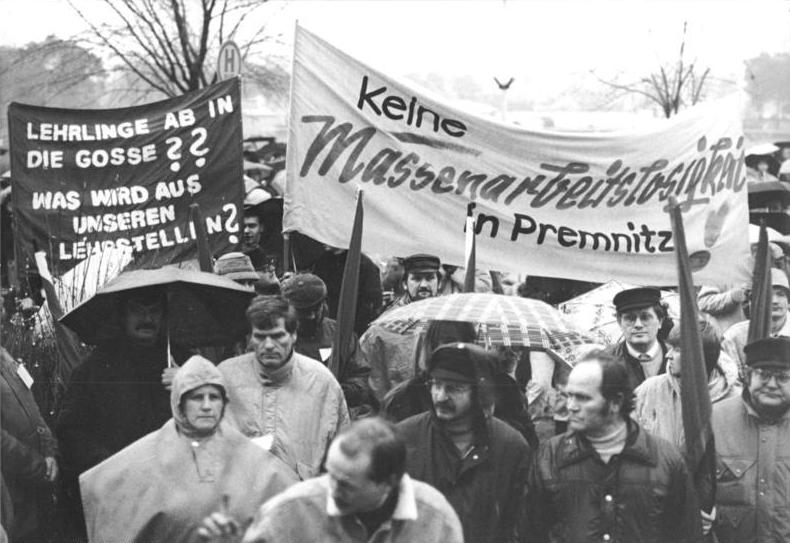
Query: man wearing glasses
point(752, 435)
point(477, 461)
point(641, 317)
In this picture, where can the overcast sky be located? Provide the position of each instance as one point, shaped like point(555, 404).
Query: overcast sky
point(536, 41)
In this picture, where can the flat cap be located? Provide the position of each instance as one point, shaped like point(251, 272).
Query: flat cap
point(771, 351)
point(304, 290)
point(634, 298)
point(421, 263)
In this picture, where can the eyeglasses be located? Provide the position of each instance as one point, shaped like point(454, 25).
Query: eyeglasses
point(449, 388)
point(765, 375)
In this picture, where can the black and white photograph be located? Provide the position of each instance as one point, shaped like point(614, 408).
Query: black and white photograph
point(394, 271)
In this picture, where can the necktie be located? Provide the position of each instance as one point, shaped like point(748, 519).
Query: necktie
point(644, 357)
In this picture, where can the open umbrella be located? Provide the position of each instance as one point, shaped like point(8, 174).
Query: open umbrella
point(593, 312)
point(500, 320)
point(202, 308)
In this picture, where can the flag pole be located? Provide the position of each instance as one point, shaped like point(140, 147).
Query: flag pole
point(694, 396)
point(349, 290)
point(470, 253)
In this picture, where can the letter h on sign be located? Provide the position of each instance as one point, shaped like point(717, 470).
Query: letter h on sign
point(228, 60)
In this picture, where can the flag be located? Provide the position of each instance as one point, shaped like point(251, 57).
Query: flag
point(694, 396)
point(349, 289)
point(760, 306)
point(470, 257)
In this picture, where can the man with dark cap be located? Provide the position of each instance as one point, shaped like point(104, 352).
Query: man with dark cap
point(641, 317)
point(315, 336)
point(752, 435)
point(420, 279)
point(390, 355)
point(477, 461)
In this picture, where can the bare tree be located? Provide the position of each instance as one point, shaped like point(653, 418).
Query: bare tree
point(681, 83)
point(168, 44)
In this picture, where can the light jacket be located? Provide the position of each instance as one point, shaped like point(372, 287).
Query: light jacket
point(643, 495)
point(391, 357)
point(159, 488)
point(300, 405)
point(752, 475)
point(354, 372)
point(658, 409)
point(306, 513)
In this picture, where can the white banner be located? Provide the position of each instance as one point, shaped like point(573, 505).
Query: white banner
point(580, 206)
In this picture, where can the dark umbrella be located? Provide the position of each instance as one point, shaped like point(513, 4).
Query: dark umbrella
point(202, 308)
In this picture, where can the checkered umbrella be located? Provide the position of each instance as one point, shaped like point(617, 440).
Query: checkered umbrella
point(500, 320)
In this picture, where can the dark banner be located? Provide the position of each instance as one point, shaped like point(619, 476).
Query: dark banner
point(86, 181)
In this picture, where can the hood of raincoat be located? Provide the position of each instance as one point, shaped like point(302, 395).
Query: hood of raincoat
point(196, 372)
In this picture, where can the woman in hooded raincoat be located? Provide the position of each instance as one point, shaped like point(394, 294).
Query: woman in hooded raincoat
point(159, 488)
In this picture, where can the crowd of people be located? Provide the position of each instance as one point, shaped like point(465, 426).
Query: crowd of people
point(415, 437)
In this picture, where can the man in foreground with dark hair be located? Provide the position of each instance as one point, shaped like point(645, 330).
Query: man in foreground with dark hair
point(477, 461)
point(288, 403)
point(364, 496)
point(607, 479)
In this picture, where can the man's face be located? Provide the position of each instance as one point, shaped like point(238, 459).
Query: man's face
point(590, 413)
point(252, 231)
point(640, 326)
point(422, 285)
point(202, 408)
point(769, 389)
point(779, 305)
point(143, 320)
point(452, 400)
point(272, 346)
point(310, 319)
point(352, 489)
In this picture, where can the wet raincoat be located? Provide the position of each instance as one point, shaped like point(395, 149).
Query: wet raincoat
point(159, 488)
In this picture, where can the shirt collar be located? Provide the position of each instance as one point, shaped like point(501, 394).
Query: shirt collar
point(405, 509)
point(653, 352)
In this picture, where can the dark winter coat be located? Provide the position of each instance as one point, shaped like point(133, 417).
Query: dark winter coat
point(26, 442)
point(485, 487)
point(643, 495)
point(636, 374)
point(113, 399)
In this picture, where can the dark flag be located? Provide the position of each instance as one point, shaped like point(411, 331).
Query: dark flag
point(349, 289)
point(694, 396)
point(470, 257)
point(760, 305)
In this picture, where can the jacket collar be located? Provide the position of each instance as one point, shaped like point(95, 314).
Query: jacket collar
point(405, 509)
point(574, 448)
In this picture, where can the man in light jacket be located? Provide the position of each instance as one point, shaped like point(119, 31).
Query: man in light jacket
point(288, 403)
